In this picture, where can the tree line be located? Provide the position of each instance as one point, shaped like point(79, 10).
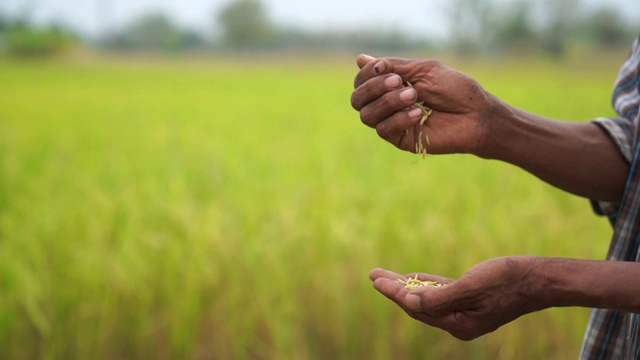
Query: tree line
point(245, 25)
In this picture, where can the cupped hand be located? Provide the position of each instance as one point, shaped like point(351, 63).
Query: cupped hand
point(486, 297)
point(460, 105)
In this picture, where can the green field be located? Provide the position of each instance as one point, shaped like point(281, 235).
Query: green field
point(232, 209)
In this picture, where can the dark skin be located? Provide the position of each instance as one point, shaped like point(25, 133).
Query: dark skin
point(577, 157)
point(501, 290)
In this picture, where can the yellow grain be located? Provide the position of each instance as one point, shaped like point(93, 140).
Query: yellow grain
point(426, 112)
point(414, 283)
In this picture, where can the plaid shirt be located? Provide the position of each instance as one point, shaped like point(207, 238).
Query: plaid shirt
point(613, 334)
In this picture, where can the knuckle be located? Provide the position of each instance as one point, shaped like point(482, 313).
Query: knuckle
point(360, 98)
point(383, 130)
point(391, 102)
point(392, 126)
point(357, 81)
point(435, 63)
point(366, 116)
point(432, 64)
point(356, 101)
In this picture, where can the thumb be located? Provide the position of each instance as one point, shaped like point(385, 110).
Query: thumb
point(364, 59)
point(431, 301)
point(410, 69)
point(413, 302)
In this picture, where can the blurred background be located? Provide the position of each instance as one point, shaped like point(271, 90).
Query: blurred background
point(466, 26)
point(188, 180)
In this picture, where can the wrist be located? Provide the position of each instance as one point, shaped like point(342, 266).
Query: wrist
point(495, 118)
point(573, 282)
point(534, 283)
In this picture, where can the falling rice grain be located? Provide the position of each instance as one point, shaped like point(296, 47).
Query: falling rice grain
point(426, 112)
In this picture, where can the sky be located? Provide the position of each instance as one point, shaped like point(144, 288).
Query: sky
point(419, 17)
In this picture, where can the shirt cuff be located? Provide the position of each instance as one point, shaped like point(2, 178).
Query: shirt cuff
point(620, 131)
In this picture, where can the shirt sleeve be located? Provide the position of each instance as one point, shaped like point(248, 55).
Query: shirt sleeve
point(621, 132)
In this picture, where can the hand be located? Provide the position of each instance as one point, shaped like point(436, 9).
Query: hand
point(488, 296)
point(460, 106)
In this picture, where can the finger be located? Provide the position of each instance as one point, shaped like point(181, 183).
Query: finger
point(420, 73)
point(438, 301)
point(408, 68)
point(379, 273)
point(432, 301)
point(374, 67)
point(447, 321)
point(373, 89)
point(369, 70)
point(393, 129)
point(387, 105)
point(411, 304)
point(392, 289)
point(364, 59)
point(428, 299)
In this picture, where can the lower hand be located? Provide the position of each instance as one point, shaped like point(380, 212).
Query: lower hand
point(486, 297)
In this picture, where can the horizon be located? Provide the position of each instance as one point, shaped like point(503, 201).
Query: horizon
point(95, 18)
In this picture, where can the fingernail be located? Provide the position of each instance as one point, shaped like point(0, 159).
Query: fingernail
point(393, 82)
point(408, 94)
point(413, 303)
point(379, 67)
point(415, 113)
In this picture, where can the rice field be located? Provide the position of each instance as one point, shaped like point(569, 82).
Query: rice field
point(220, 208)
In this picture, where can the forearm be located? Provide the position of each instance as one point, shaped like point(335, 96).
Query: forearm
point(577, 157)
point(585, 283)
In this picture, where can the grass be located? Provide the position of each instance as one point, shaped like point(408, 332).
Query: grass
point(219, 209)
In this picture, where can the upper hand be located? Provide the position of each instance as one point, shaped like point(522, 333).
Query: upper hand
point(488, 296)
point(460, 105)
